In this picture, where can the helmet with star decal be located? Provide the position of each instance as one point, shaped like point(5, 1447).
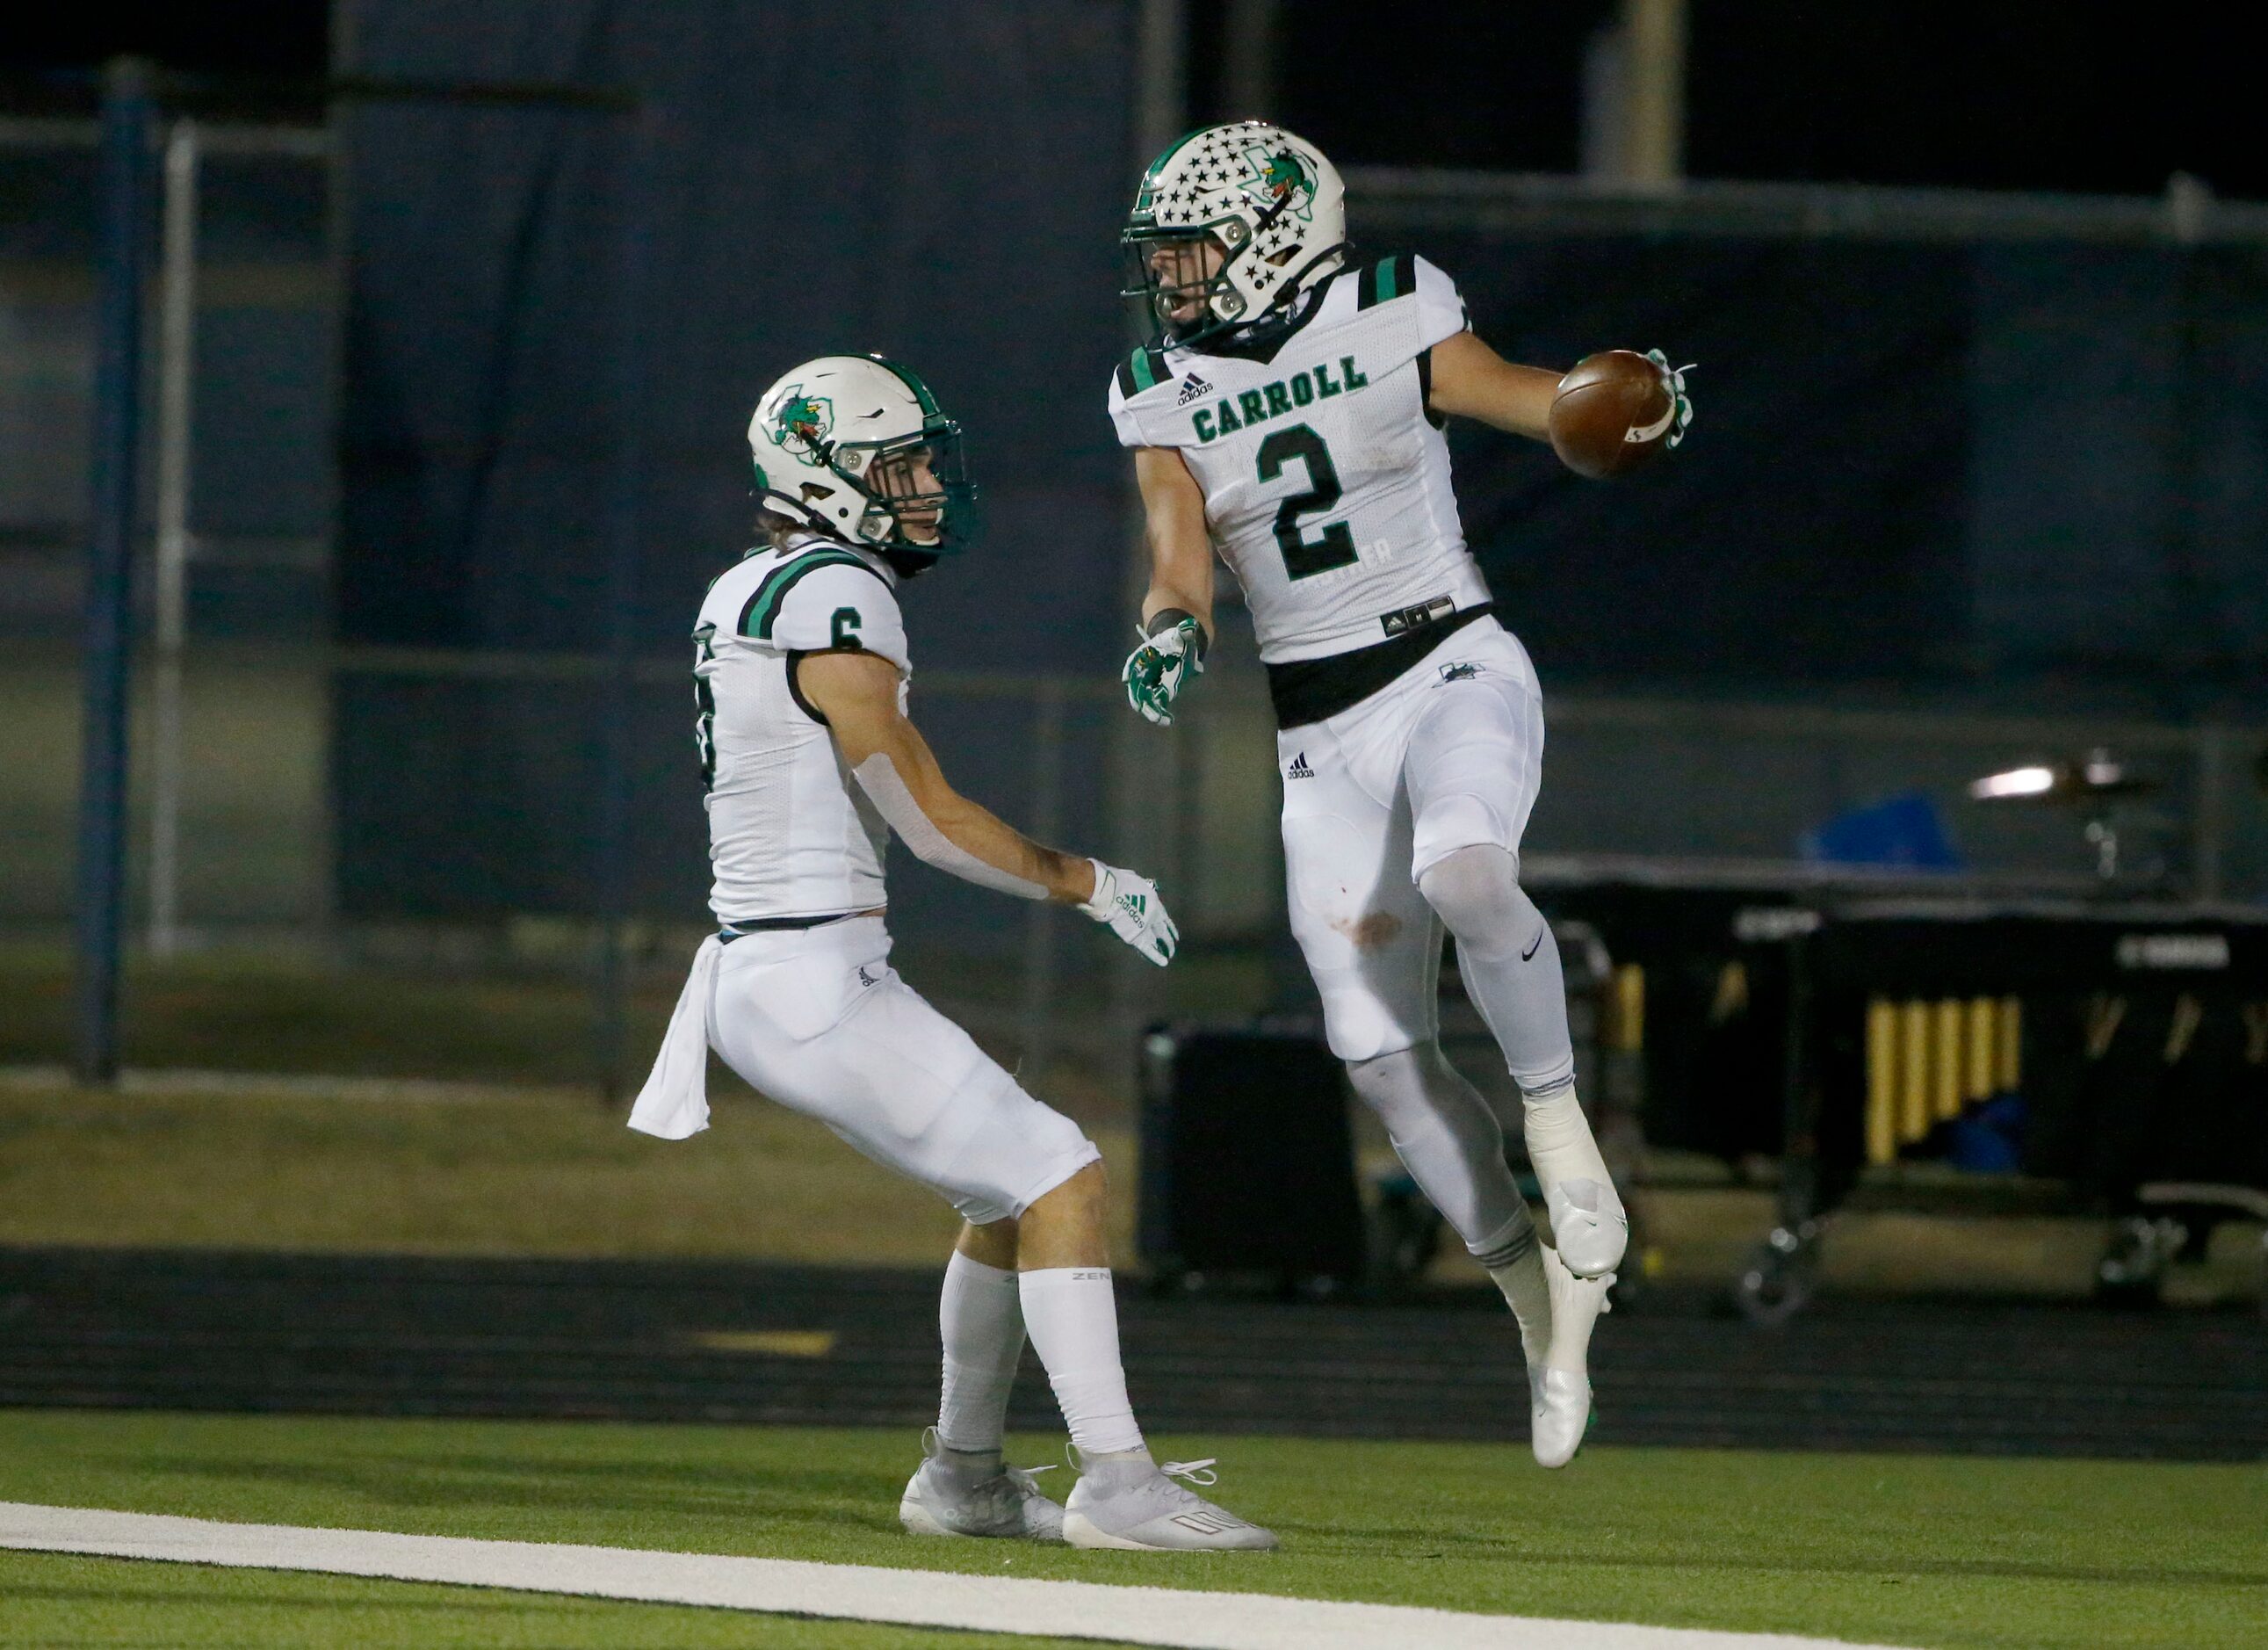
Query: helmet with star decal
point(1230, 226)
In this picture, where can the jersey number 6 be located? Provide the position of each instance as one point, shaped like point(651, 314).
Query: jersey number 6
point(1305, 557)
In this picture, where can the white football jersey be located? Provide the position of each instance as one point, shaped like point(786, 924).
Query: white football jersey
point(1326, 484)
point(790, 834)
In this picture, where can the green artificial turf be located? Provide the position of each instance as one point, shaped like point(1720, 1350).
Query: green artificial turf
point(1903, 1549)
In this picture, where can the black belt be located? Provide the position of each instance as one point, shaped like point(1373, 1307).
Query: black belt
point(1316, 689)
point(730, 931)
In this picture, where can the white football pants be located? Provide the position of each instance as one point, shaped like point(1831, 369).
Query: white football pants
point(1449, 756)
point(817, 1020)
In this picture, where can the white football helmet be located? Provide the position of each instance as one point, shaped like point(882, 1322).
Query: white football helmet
point(854, 447)
point(1262, 207)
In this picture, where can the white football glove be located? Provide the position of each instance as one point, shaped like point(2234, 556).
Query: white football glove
point(1680, 404)
point(1128, 904)
point(1157, 670)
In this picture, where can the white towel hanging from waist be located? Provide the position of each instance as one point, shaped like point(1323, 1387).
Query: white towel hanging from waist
point(674, 1102)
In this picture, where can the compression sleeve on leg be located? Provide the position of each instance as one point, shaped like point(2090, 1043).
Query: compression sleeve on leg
point(981, 1325)
point(1510, 964)
point(1072, 1318)
point(1448, 1138)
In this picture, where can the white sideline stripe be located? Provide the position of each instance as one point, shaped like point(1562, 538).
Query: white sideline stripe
point(916, 1598)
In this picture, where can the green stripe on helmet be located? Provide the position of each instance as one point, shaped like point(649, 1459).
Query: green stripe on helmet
point(912, 382)
point(1171, 149)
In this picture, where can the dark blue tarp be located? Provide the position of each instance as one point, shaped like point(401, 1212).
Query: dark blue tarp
point(1973, 472)
point(937, 180)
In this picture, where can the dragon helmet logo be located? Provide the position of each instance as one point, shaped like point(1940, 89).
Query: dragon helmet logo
point(803, 422)
point(1281, 180)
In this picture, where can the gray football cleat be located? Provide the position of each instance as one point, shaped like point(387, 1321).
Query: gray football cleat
point(955, 1494)
point(1588, 1225)
point(1130, 1501)
point(1560, 1393)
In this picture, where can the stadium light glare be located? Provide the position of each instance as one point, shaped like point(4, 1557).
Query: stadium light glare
point(2031, 781)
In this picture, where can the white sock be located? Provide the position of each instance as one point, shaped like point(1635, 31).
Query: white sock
point(1072, 1317)
point(980, 1320)
point(1515, 1262)
point(1560, 1143)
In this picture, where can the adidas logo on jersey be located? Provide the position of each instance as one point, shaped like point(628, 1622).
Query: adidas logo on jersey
point(1298, 770)
point(1192, 386)
point(1462, 671)
point(866, 978)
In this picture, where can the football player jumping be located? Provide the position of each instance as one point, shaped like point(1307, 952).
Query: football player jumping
point(1288, 412)
point(801, 678)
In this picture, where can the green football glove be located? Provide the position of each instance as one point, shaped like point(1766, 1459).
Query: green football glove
point(1680, 404)
point(1157, 670)
point(1127, 904)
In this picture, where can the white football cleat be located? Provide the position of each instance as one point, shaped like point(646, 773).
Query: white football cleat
point(1559, 1394)
point(951, 1494)
point(1130, 1501)
point(1588, 1225)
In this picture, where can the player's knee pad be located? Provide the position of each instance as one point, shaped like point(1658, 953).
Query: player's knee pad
point(1455, 823)
point(994, 1150)
point(1477, 892)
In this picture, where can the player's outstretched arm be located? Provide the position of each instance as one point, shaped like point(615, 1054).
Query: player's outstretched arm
point(1181, 548)
point(1177, 611)
point(857, 694)
point(1472, 380)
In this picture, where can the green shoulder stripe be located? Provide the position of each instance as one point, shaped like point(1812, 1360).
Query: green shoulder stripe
point(1387, 279)
point(1144, 368)
point(763, 609)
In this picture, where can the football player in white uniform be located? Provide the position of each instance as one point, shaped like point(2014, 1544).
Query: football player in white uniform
point(800, 679)
point(1287, 413)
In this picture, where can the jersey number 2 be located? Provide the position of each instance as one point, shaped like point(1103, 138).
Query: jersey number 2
point(1333, 546)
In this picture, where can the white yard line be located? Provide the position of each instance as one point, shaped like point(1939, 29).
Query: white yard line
point(918, 1598)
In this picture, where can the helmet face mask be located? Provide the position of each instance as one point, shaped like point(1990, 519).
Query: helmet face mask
point(856, 448)
point(1180, 278)
point(917, 487)
point(1231, 226)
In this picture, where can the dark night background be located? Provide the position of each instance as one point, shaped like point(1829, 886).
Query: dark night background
point(1982, 472)
point(2030, 94)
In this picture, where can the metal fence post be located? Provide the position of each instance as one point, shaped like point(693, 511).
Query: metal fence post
point(176, 391)
point(626, 391)
point(126, 108)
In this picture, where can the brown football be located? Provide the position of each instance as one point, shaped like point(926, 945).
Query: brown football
point(1611, 415)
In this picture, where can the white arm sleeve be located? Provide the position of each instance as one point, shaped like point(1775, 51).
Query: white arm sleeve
point(1441, 306)
point(878, 777)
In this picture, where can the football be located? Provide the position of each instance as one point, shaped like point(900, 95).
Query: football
point(1613, 412)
